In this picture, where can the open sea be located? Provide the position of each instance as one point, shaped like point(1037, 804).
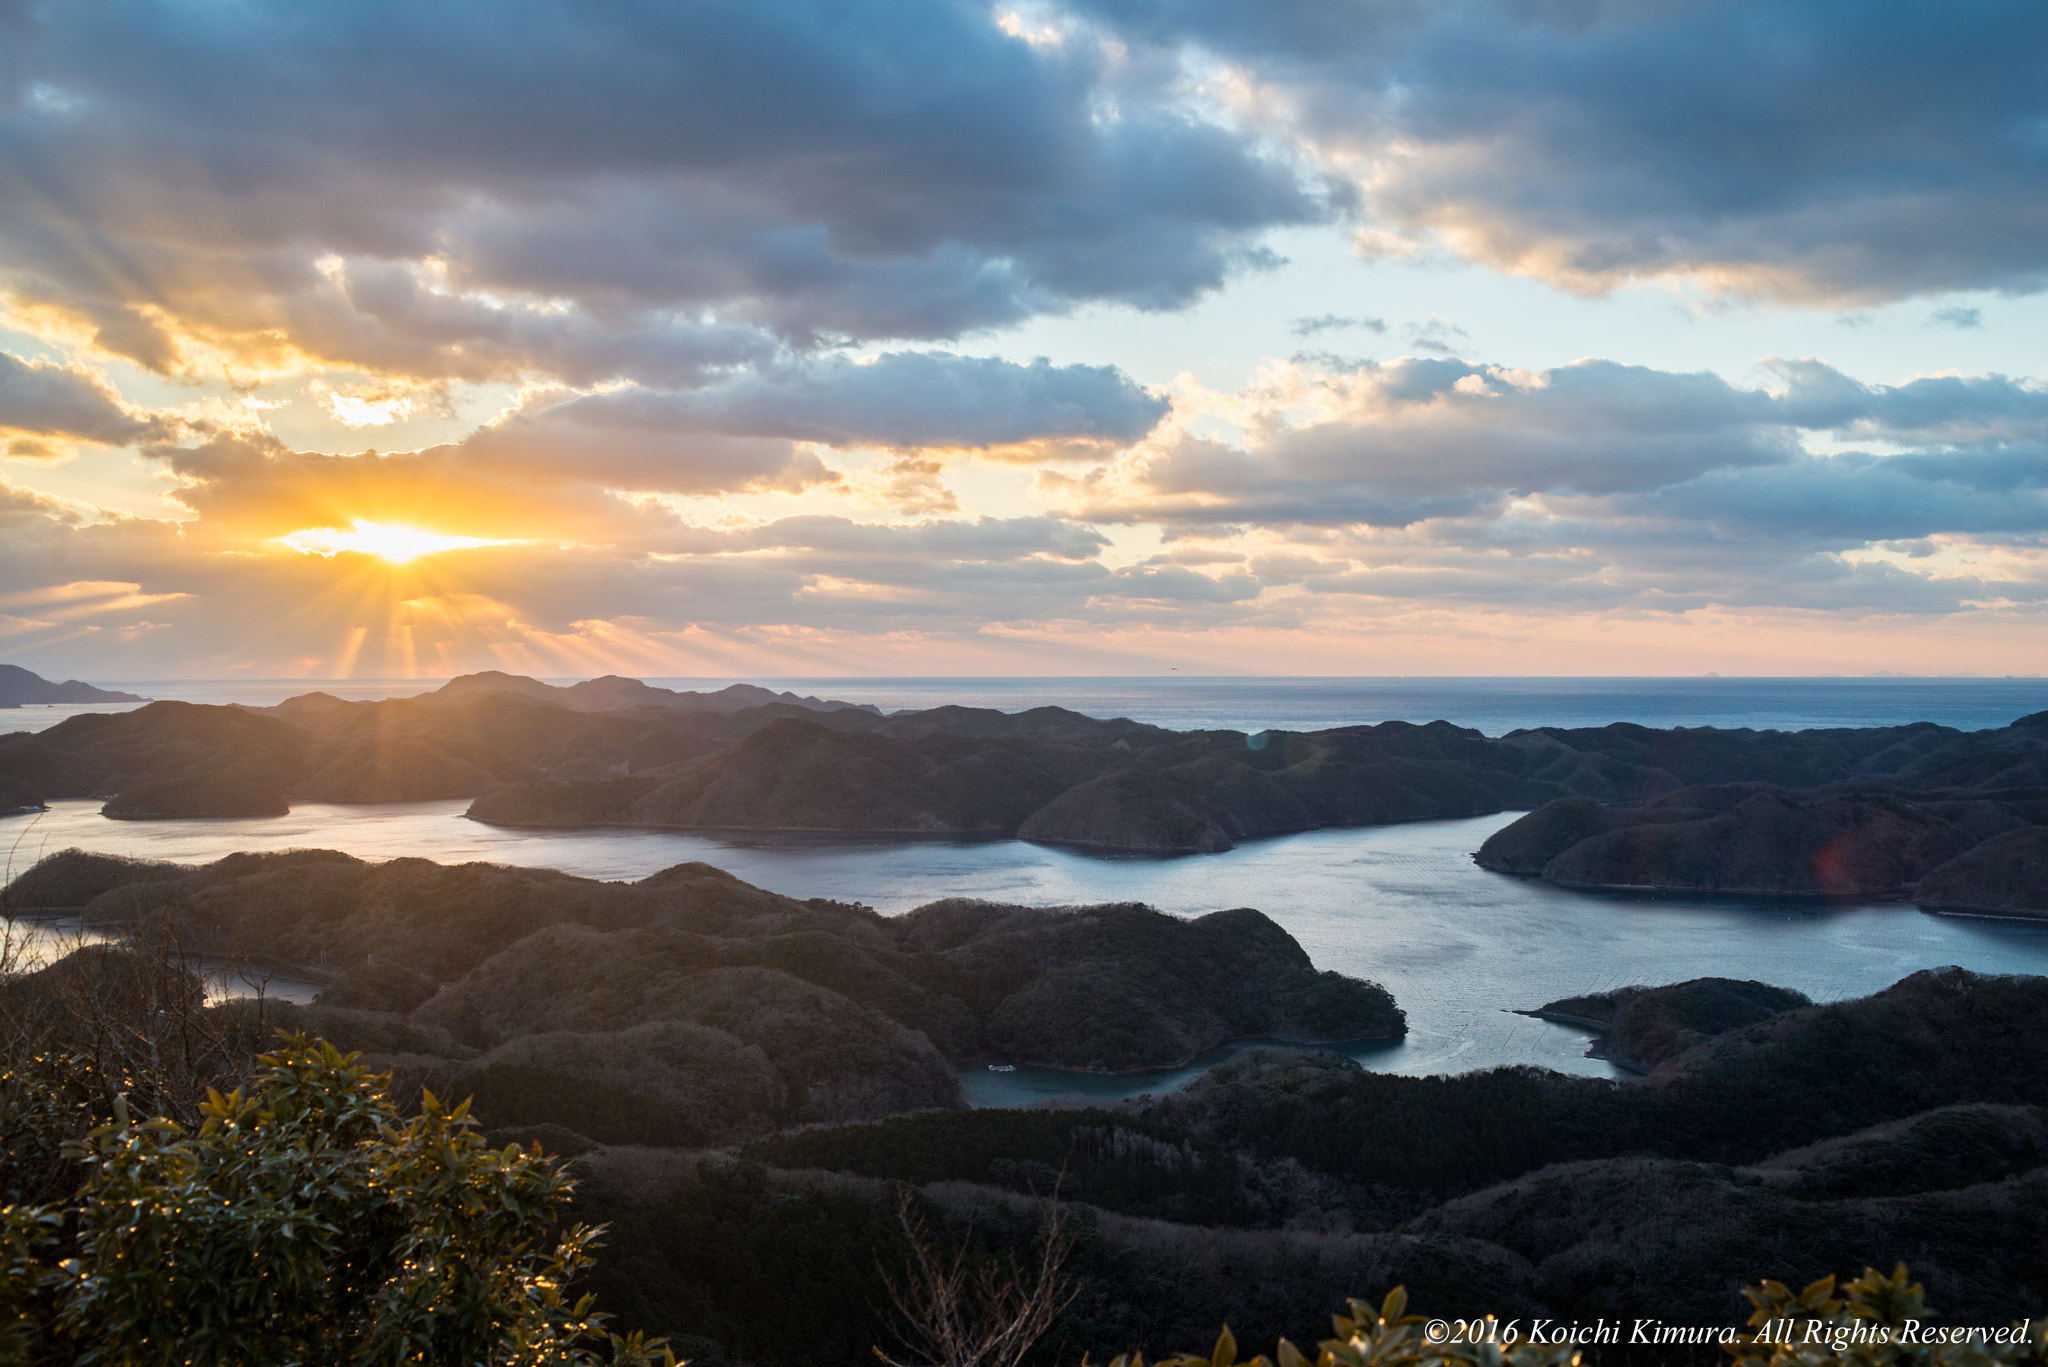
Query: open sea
point(1492, 705)
point(1461, 949)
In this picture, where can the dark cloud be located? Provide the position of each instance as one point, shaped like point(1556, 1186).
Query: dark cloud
point(662, 194)
point(1176, 584)
point(613, 185)
point(1798, 149)
point(1969, 410)
point(65, 401)
point(925, 399)
point(1849, 501)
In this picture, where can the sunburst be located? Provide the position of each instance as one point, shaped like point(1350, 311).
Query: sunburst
point(392, 542)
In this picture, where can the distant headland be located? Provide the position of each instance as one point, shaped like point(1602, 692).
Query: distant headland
point(21, 688)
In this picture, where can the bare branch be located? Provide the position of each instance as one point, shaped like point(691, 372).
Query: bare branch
point(951, 1314)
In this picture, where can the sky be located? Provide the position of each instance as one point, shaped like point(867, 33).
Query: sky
point(1352, 337)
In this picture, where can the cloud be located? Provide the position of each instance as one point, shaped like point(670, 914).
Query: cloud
point(44, 399)
point(187, 598)
point(1960, 318)
point(672, 197)
point(1601, 488)
point(619, 191)
point(1850, 500)
point(911, 485)
point(566, 473)
point(928, 399)
point(1403, 442)
point(1798, 150)
point(1332, 322)
point(1443, 497)
point(1950, 409)
point(566, 466)
point(1439, 336)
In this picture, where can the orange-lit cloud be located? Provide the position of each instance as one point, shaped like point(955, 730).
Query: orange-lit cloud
point(1429, 504)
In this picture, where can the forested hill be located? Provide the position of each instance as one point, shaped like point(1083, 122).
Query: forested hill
point(1958, 822)
point(691, 1007)
point(614, 752)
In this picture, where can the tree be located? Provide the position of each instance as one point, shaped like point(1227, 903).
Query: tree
point(304, 1222)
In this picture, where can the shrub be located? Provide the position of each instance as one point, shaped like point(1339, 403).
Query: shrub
point(303, 1222)
point(1875, 1321)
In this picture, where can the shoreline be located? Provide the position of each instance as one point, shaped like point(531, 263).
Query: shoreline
point(983, 1060)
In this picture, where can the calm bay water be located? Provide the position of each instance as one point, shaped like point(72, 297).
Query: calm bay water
point(1494, 706)
point(1460, 948)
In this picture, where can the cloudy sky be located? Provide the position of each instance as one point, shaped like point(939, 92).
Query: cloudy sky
point(1105, 337)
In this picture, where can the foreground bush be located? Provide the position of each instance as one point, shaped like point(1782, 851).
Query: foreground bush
point(302, 1223)
point(1875, 1321)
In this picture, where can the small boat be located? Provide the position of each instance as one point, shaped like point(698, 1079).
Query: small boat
point(1002, 1067)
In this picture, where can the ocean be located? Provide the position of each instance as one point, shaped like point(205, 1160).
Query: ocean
point(1494, 706)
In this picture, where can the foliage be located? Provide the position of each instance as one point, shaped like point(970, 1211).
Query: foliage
point(302, 1222)
point(1875, 1322)
point(23, 1230)
point(1384, 1337)
point(46, 1102)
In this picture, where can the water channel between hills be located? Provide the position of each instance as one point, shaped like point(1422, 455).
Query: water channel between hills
point(1459, 947)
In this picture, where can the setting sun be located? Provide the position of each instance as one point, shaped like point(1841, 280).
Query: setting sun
point(391, 542)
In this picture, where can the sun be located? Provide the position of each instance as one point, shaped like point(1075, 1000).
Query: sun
point(391, 542)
